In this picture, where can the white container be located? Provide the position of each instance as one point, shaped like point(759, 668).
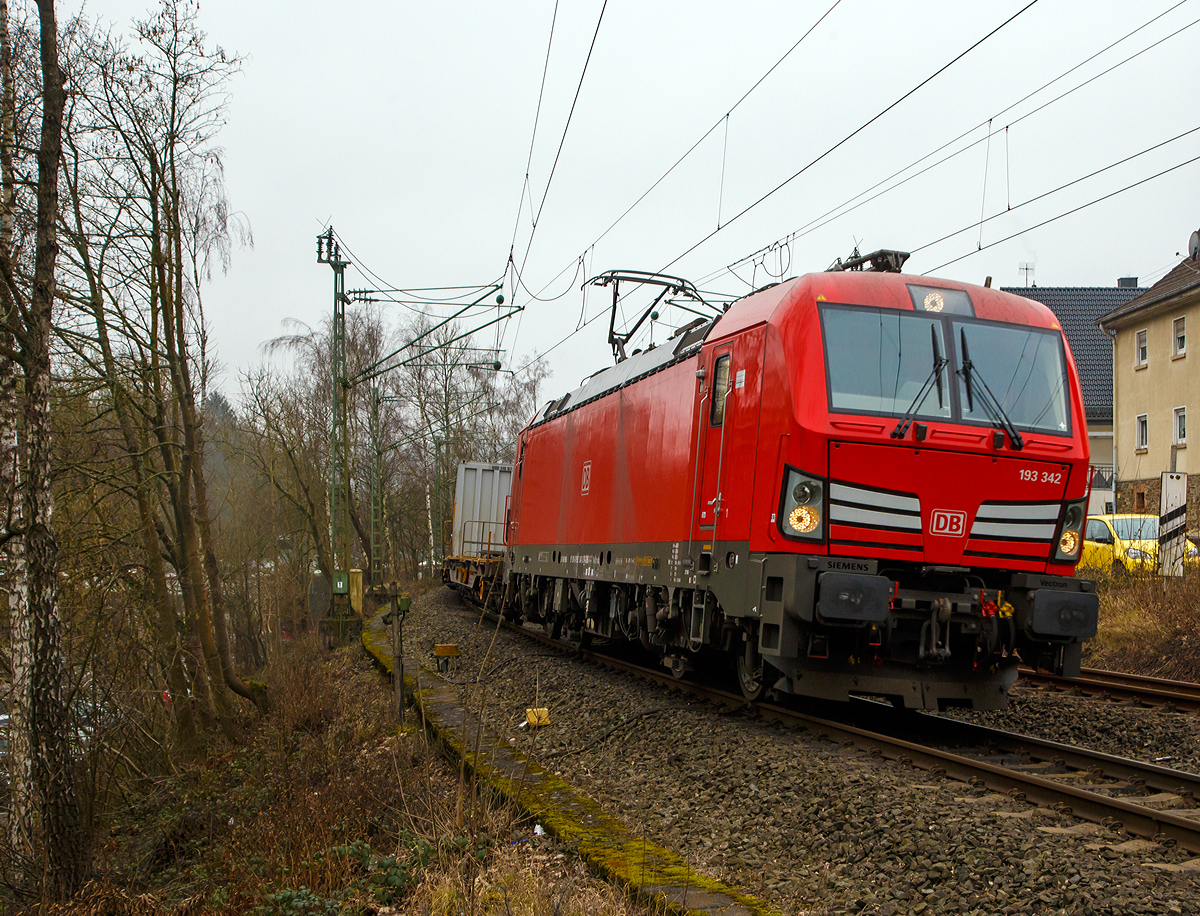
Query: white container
point(480, 502)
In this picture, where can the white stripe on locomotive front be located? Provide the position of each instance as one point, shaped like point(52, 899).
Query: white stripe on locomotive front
point(849, 515)
point(1024, 512)
point(844, 493)
point(1010, 530)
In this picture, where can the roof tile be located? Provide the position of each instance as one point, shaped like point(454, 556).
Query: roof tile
point(1182, 277)
point(1078, 308)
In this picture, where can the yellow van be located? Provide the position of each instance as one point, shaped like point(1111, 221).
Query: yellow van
point(1126, 543)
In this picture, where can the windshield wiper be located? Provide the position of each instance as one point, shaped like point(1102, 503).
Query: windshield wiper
point(991, 404)
point(935, 378)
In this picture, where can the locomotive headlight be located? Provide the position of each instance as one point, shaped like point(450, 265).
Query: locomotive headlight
point(1069, 542)
point(1074, 517)
point(1070, 532)
point(802, 506)
point(803, 520)
point(807, 493)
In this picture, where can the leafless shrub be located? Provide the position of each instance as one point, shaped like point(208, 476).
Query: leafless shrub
point(1148, 625)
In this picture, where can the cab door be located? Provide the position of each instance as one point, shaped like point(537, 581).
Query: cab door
point(713, 420)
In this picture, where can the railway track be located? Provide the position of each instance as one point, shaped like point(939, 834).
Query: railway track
point(1141, 799)
point(1179, 696)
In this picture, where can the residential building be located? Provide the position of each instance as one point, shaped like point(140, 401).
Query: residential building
point(1077, 309)
point(1156, 385)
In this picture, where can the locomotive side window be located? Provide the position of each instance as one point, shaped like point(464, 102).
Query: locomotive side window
point(720, 391)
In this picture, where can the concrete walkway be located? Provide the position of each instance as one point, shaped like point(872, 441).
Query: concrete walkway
point(606, 843)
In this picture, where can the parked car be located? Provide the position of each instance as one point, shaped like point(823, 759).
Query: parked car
point(1126, 543)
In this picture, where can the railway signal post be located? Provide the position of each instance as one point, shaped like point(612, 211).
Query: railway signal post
point(1172, 523)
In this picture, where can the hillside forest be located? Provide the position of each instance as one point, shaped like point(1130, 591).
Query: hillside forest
point(162, 518)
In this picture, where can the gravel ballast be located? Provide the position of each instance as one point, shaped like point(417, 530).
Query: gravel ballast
point(811, 826)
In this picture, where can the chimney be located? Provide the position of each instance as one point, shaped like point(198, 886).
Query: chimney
point(1127, 282)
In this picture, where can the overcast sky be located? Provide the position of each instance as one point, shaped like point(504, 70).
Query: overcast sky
point(408, 126)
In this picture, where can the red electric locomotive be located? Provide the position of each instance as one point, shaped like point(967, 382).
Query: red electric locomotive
point(853, 482)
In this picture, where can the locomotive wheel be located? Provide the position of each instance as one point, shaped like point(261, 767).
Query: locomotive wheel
point(750, 674)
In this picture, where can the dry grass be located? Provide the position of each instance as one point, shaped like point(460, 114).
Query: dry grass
point(1148, 626)
point(328, 808)
point(521, 878)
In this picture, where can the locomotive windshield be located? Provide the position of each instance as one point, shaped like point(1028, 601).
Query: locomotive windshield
point(1025, 369)
point(879, 360)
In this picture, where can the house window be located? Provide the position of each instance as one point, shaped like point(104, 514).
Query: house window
point(1178, 337)
point(1143, 432)
point(1139, 499)
point(1181, 426)
point(1141, 351)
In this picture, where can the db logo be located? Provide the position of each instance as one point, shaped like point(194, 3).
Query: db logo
point(950, 524)
point(587, 479)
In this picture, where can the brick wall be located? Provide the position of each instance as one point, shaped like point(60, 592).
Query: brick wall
point(1127, 493)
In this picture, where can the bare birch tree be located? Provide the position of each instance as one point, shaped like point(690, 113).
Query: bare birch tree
point(29, 305)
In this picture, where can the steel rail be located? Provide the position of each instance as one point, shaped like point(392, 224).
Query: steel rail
point(1114, 813)
point(1177, 695)
point(1098, 763)
point(1136, 819)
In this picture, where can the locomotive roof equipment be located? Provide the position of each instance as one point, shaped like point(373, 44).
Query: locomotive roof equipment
point(675, 286)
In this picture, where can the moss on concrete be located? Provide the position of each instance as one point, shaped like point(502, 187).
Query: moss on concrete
point(602, 840)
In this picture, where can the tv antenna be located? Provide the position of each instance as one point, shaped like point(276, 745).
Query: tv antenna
point(1026, 267)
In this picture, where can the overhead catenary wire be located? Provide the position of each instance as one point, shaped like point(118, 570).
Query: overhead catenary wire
point(533, 135)
point(843, 208)
point(723, 119)
point(385, 288)
point(536, 218)
point(519, 282)
point(1059, 216)
point(1042, 88)
point(544, 353)
point(466, 291)
point(1052, 191)
point(378, 367)
point(775, 246)
point(1097, 200)
point(987, 158)
point(779, 187)
point(563, 139)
